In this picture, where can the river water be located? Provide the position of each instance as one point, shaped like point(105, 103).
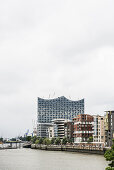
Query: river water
point(30, 159)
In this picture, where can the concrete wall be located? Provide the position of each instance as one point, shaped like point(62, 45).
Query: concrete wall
point(69, 148)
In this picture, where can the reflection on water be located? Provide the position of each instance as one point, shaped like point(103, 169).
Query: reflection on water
point(28, 159)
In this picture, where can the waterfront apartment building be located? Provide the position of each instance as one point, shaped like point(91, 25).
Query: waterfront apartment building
point(83, 128)
point(42, 129)
point(99, 130)
point(61, 128)
point(58, 108)
point(58, 126)
point(109, 127)
point(68, 129)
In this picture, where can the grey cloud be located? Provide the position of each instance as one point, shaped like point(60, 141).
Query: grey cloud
point(47, 47)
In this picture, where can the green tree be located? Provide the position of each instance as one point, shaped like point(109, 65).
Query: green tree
point(1, 139)
point(52, 141)
point(46, 141)
point(109, 155)
point(13, 139)
point(28, 138)
point(90, 139)
point(41, 141)
point(21, 138)
point(33, 139)
point(37, 141)
point(64, 141)
point(58, 141)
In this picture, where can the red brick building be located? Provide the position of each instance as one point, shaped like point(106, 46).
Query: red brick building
point(83, 127)
point(68, 129)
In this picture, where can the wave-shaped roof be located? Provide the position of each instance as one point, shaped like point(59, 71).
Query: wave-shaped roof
point(58, 98)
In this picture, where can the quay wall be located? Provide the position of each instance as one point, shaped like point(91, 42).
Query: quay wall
point(69, 148)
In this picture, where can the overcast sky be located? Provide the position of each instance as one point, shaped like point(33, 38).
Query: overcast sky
point(64, 47)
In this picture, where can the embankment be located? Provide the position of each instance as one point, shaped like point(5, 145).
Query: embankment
point(69, 148)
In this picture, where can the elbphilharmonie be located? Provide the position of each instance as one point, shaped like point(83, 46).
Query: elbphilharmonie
point(58, 108)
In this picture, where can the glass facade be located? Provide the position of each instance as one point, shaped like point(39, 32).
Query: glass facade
point(58, 108)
